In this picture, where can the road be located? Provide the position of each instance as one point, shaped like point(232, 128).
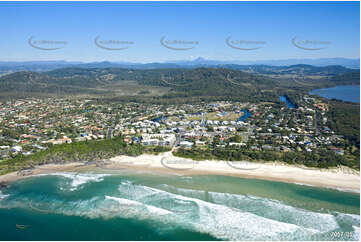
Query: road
point(317, 132)
point(110, 131)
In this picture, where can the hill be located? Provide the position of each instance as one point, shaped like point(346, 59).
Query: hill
point(171, 83)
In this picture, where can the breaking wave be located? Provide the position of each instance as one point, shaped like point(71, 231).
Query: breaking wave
point(77, 179)
point(3, 196)
point(222, 215)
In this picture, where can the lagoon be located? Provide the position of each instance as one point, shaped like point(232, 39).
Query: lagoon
point(287, 101)
point(349, 93)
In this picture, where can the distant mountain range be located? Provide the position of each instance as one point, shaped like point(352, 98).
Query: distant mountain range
point(40, 66)
point(350, 63)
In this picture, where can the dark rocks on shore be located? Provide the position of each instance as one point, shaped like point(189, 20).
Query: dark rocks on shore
point(4, 185)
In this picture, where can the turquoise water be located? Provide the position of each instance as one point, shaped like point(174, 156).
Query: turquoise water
point(344, 93)
point(139, 206)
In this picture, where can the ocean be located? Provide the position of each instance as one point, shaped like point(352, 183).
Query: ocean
point(344, 93)
point(148, 206)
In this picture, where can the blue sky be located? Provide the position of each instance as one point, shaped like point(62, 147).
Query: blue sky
point(274, 24)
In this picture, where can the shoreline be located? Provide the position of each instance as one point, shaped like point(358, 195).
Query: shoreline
point(340, 178)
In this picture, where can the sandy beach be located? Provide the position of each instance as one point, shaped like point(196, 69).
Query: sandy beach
point(44, 169)
point(341, 178)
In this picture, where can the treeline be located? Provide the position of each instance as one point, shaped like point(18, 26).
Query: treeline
point(321, 158)
point(78, 151)
point(344, 119)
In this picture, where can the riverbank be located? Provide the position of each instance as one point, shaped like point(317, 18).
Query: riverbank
point(341, 178)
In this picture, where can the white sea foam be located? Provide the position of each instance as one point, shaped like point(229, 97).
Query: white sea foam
point(332, 188)
point(131, 203)
point(356, 233)
point(269, 208)
point(3, 196)
point(267, 220)
point(303, 184)
point(183, 191)
point(135, 192)
point(276, 210)
point(222, 215)
point(344, 218)
point(78, 179)
point(224, 222)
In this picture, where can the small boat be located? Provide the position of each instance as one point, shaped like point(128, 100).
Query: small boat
point(19, 226)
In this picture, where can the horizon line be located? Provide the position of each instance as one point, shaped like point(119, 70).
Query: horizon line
point(177, 60)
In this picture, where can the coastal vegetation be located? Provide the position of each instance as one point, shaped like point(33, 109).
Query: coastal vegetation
point(344, 119)
point(321, 158)
point(92, 151)
point(87, 151)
